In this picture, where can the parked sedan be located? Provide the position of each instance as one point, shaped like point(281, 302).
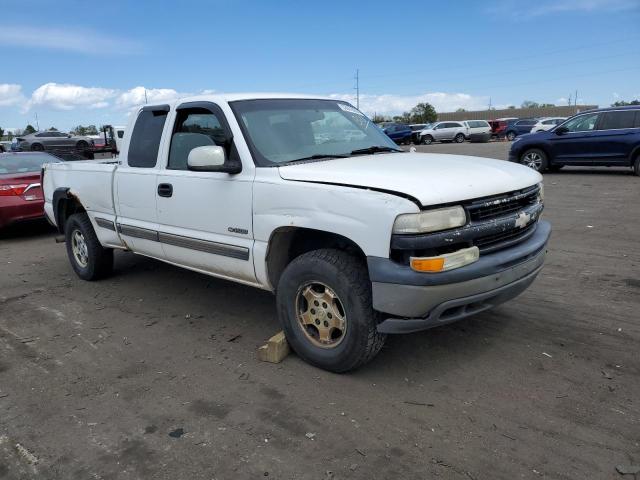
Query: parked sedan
point(39, 141)
point(444, 131)
point(398, 132)
point(607, 137)
point(547, 123)
point(20, 190)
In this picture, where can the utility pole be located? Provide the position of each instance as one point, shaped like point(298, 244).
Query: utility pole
point(37, 123)
point(575, 99)
point(357, 88)
point(145, 96)
point(489, 103)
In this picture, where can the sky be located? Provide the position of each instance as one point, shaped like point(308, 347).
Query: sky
point(71, 62)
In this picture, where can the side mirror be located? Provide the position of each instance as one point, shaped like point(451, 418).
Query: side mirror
point(68, 135)
point(211, 158)
point(561, 130)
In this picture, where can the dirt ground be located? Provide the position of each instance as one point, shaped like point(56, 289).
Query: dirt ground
point(152, 373)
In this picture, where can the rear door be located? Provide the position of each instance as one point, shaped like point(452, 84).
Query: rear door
point(135, 183)
point(613, 135)
point(579, 145)
point(205, 223)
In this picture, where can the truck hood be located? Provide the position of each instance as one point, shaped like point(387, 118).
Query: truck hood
point(431, 178)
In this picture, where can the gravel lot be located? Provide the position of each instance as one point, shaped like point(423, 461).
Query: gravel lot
point(152, 373)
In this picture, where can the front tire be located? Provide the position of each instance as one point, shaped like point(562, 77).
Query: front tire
point(511, 136)
point(88, 258)
point(81, 146)
point(535, 159)
point(325, 307)
point(36, 147)
point(427, 140)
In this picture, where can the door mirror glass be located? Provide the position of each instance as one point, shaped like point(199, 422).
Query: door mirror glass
point(206, 159)
point(561, 130)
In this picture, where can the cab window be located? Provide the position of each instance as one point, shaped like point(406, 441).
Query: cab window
point(195, 127)
point(583, 123)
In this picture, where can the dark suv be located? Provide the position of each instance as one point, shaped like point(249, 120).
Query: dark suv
point(519, 126)
point(398, 132)
point(606, 137)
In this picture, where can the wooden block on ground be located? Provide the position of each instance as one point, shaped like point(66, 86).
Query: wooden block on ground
point(274, 350)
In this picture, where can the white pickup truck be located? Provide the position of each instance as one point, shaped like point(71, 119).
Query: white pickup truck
point(307, 198)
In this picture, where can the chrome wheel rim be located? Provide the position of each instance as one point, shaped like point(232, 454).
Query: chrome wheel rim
point(532, 160)
point(321, 315)
point(79, 248)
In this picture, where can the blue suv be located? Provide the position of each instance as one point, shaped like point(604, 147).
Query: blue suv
point(605, 137)
point(519, 126)
point(398, 132)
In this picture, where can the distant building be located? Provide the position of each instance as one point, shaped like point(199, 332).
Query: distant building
point(560, 111)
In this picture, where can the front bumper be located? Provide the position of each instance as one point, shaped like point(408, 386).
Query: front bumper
point(418, 301)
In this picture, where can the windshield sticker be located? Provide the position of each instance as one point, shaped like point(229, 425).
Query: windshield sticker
point(350, 109)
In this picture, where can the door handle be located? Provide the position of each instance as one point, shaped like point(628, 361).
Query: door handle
point(165, 190)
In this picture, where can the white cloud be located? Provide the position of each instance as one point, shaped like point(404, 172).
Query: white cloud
point(10, 94)
point(390, 104)
point(520, 9)
point(65, 96)
point(71, 39)
point(136, 96)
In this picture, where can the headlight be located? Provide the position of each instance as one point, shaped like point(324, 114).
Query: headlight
point(430, 220)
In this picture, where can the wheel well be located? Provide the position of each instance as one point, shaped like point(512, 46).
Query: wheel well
point(288, 243)
point(65, 204)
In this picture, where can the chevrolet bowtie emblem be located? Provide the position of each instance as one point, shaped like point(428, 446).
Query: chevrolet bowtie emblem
point(523, 219)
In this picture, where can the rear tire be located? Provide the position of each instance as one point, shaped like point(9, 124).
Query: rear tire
point(88, 258)
point(459, 138)
point(535, 159)
point(81, 146)
point(511, 136)
point(36, 147)
point(636, 165)
point(322, 275)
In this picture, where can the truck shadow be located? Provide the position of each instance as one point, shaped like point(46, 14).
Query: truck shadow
point(251, 312)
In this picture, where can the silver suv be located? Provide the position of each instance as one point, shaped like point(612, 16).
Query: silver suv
point(444, 131)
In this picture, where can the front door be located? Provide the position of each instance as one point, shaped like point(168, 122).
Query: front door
point(205, 218)
point(578, 144)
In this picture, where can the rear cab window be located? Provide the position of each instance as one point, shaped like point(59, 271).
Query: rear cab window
point(146, 136)
point(617, 120)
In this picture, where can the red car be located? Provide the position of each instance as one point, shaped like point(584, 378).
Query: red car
point(20, 191)
point(498, 128)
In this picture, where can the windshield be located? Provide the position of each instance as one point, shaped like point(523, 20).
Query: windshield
point(24, 163)
point(280, 131)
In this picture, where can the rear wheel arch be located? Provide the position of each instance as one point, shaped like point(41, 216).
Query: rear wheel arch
point(65, 204)
point(288, 243)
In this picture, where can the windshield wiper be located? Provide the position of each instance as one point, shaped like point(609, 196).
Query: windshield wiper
point(315, 157)
point(375, 149)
